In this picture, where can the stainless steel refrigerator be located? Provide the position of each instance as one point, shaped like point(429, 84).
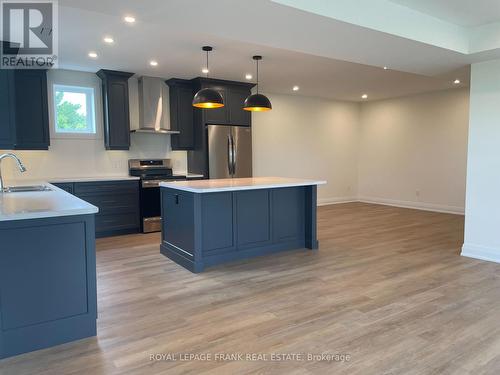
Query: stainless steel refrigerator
point(229, 151)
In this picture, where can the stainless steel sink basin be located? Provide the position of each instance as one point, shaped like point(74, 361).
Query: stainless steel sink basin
point(25, 189)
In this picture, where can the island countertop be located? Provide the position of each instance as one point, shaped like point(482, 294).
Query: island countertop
point(42, 204)
point(233, 184)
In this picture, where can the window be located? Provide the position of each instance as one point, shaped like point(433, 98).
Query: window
point(74, 110)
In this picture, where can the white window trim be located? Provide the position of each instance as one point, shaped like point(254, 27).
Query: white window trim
point(74, 80)
point(91, 117)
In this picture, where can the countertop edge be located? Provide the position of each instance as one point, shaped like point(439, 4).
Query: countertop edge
point(86, 209)
point(237, 188)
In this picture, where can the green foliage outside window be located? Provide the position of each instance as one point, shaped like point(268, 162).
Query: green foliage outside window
point(68, 115)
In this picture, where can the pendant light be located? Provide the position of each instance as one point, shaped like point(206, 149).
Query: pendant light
point(257, 102)
point(208, 98)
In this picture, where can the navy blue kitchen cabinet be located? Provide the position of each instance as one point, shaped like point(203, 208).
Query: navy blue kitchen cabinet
point(116, 109)
point(234, 94)
point(205, 229)
point(118, 203)
point(47, 282)
point(24, 110)
point(181, 113)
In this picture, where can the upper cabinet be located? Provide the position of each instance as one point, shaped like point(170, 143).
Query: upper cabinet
point(181, 113)
point(116, 109)
point(235, 99)
point(24, 110)
point(217, 115)
point(234, 94)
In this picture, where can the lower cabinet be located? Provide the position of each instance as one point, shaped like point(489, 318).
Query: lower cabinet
point(47, 283)
point(178, 210)
point(118, 203)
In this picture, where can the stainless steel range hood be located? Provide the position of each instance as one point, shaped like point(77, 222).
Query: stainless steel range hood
point(152, 95)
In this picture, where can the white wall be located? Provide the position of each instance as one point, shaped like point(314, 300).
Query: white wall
point(413, 151)
point(309, 138)
point(408, 151)
point(88, 157)
point(482, 214)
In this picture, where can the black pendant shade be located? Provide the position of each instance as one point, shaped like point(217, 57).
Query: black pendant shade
point(208, 98)
point(257, 102)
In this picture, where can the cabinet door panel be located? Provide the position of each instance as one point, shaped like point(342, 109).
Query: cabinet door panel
point(217, 221)
point(178, 220)
point(238, 116)
point(119, 126)
point(252, 217)
point(116, 109)
point(30, 291)
point(288, 213)
point(184, 140)
point(7, 129)
point(218, 115)
point(111, 187)
point(31, 103)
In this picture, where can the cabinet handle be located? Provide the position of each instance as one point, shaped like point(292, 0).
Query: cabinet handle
point(176, 198)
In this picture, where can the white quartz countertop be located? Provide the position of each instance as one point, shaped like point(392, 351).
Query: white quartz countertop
point(92, 179)
point(114, 178)
point(42, 204)
point(231, 184)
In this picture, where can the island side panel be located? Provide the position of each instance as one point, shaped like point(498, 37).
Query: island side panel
point(47, 283)
point(311, 217)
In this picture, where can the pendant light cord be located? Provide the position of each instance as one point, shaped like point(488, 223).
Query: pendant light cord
point(207, 65)
point(257, 76)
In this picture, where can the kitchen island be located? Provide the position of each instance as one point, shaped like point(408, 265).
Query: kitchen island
point(209, 222)
point(47, 270)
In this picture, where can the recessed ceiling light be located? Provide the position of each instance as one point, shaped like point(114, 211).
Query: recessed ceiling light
point(129, 19)
point(248, 76)
point(153, 63)
point(385, 68)
point(456, 82)
point(364, 96)
point(204, 71)
point(295, 88)
point(93, 55)
point(108, 39)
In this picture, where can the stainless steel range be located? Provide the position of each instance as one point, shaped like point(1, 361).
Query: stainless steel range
point(151, 173)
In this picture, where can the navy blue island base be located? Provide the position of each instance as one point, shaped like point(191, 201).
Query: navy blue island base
point(206, 229)
point(47, 282)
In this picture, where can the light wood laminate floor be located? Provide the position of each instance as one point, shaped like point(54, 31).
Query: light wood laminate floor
point(387, 287)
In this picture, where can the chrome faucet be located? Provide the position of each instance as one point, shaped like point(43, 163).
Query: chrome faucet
point(20, 165)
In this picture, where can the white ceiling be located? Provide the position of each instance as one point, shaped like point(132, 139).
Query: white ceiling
point(460, 12)
point(298, 48)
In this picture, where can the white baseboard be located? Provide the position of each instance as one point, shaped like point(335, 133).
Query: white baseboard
point(414, 205)
point(327, 201)
point(481, 252)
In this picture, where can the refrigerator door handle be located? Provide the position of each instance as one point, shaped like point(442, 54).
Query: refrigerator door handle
point(234, 155)
point(230, 154)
